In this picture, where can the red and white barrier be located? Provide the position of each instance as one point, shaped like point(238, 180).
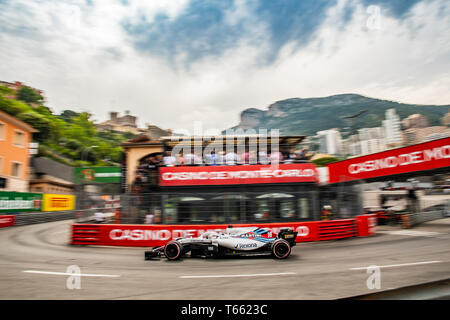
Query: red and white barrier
point(7, 221)
point(156, 235)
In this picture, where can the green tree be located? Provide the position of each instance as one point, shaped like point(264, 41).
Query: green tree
point(29, 95)
point(67, 137)
point(13, 107)
point(322, 162)
point(68, 115)
point(39, 122)
point(6, 91)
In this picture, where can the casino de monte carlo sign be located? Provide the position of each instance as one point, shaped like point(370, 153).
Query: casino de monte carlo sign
point(92, 175)
point(419, 157)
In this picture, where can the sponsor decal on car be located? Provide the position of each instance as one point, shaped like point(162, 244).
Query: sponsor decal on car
point(246, 245)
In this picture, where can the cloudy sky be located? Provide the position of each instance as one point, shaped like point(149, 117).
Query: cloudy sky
point(174, 62)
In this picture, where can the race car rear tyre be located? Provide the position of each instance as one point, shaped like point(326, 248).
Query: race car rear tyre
point(281, 249)
point(173, 250)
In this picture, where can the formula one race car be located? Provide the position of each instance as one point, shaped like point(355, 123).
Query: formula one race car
point(234, 242)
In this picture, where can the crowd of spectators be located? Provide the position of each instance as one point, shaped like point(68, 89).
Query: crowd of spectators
point(232, 158)
point(146, 172)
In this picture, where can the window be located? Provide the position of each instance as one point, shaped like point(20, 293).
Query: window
point(1, 164)
point(16, 169)
point(2, 183)
point(2, 131)
point(19, 138)
point(287, 209)
point(303, 208)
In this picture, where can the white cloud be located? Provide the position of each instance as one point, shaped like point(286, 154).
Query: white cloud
point(90, 64)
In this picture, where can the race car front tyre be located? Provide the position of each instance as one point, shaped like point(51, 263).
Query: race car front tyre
point(173, 250)
point(281, 249)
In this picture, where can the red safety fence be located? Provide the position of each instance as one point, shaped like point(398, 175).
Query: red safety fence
point(156, 235)
point(7, 221)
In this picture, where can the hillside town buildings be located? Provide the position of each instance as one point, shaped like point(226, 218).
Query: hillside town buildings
point(392, 134)
point(128, 123)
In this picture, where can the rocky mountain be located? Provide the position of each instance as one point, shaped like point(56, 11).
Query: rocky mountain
point(298, 116)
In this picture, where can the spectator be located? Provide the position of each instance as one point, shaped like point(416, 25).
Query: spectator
point(292, 157)
point(169, 160)
point(244, 158)
point(276, 157)
point(151, 163)
point(285, 154)
point(99, 216)
point(181, 161)
point(221, 158)
point(138, 183)
point(212, 159)
point(231, 158)
point(288, 157)
point(189, 159)
point(326, 213)
point(253, 157)
point(198, 161)
point(149, 218)
point(159, 160)
point(262, 157)
point(301, 155)
point(142, 172)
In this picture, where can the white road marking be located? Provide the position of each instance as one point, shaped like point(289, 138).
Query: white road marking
point(72, 274)
point(413, 233)
point(240, 275)
point(398, 265)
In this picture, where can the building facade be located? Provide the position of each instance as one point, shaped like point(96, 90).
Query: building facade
point(415, 121)
point(330, 141)
point(49, 176)
point(15, 137)
point(17, 85)
point(127, 123)
point(419, 135)
point(392, 129)
point(446, 120)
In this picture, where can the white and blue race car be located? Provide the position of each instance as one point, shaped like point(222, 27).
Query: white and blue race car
point(233, 242)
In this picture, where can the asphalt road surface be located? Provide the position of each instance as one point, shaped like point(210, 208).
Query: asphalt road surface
point(34, 262)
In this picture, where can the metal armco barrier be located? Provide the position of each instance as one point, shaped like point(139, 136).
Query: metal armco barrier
point(22, 219)
point(412, 219)
point(156, 235)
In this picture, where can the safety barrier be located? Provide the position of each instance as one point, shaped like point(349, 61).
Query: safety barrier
point(337, 229)
point(412, 219)
point(85, 234)
point(156, 235)
point(7, 221)
point(22, 219)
